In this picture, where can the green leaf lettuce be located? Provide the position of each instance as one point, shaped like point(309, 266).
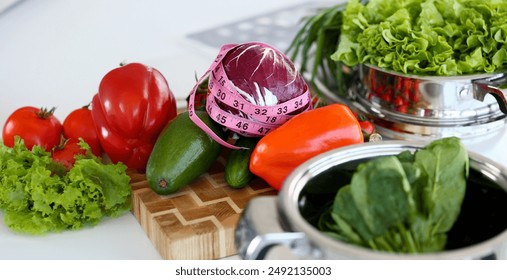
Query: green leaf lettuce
point(428, 37)
point(38, 196)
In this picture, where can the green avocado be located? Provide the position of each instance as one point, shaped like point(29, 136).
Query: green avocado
point(182, 152)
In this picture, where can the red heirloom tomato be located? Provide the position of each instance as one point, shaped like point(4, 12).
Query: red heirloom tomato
point(133, 105)
point(35, 126)
point(79, 124)
point(65, 153)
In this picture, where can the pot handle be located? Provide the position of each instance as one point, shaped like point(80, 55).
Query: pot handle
point(258, 230)
point(495, 86)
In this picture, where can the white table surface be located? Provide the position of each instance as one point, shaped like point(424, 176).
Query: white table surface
point(55, 52)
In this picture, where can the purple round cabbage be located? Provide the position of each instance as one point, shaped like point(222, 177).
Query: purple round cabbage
point(263, 75)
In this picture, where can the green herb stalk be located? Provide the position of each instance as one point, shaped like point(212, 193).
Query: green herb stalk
point(315, 42)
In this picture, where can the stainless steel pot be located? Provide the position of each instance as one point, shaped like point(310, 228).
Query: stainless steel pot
point(414, 107)
point(278, 220)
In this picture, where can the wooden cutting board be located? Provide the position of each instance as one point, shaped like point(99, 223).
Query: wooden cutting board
point(197, 222)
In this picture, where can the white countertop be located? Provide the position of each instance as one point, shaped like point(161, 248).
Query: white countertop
point(54, 53)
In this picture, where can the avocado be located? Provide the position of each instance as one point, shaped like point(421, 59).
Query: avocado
point(182, 152)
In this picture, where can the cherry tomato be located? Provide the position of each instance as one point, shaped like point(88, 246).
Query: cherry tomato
point(367, 127)
point(402, 109)
point(35, 126)
point(79, 124)
point(399, 101)
point(65, 153)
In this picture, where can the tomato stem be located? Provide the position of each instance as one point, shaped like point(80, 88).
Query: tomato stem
point(63, 142)
point(44, 113)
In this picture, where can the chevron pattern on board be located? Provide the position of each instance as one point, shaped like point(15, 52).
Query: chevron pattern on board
point(197, 222)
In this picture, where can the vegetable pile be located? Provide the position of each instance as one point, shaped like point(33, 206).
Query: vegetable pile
point(52, 175)
point(255, 95)
point(403, 203)
point(429, 37)
point(38, 195)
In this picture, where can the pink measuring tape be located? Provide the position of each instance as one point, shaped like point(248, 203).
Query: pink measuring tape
point(253, 120)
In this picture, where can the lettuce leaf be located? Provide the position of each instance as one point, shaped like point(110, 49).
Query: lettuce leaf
point(428, 37)
point(38, 196)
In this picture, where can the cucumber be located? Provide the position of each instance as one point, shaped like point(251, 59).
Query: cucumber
point(237, 172)
point(182, 153)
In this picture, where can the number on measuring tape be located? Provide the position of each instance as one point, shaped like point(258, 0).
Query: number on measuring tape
point(221, 118)
point(263, 112)
point(221, 94)
point(282, 110)
point(238, 105)
point(270, 119)
point(263, 130)
point(242, 125)
point(219, 57)
point(298, 103)
point(221, 81)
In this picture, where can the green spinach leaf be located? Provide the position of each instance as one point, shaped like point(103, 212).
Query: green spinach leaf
point(404, 203)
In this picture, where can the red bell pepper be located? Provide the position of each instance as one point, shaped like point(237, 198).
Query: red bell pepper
point(132, 106)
